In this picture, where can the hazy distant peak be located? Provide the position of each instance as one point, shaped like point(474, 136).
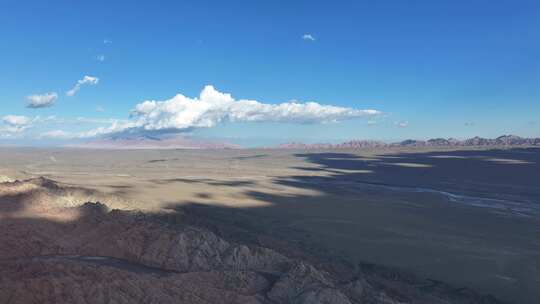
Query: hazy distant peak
point(504, 140)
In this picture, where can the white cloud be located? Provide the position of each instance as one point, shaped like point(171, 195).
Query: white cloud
point(308, 37)
point(402, 124)
point(182, 113)
point(41, 100)
point(62, 121)
point(371, 122)
point(100, 58)
point(39, 119)
point(88, 80)
point(56, 134)
point(115, 127)
point(95, 120)
point(14, 124)
point(16, 120)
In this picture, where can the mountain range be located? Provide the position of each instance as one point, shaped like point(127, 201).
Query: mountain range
point(505, 140)
point(153, 142)
point(185, 142)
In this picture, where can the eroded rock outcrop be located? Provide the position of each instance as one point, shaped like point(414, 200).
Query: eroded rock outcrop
point(57, 252)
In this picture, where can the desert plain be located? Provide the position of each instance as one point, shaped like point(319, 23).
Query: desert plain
point(469, 218)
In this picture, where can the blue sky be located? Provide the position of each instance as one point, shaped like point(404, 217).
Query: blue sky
point(429, 68)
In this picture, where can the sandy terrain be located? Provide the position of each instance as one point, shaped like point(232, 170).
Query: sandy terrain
point(470, 218)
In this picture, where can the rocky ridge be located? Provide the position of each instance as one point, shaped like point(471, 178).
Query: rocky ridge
point(51, 252)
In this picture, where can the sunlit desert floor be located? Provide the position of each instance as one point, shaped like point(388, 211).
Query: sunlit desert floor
point(470, 218)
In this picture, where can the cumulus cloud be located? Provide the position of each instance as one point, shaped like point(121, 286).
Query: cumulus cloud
point(308, 37)
point(181, 114)
point(213, 107)
point(41, 100)
point(87, 80)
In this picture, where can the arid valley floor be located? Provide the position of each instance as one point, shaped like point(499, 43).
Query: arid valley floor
point(279, 226)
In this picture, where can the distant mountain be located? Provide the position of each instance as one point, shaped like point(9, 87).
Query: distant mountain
point(138, 141)
point(353, 144)
point(505, 140)
point(153, 142)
